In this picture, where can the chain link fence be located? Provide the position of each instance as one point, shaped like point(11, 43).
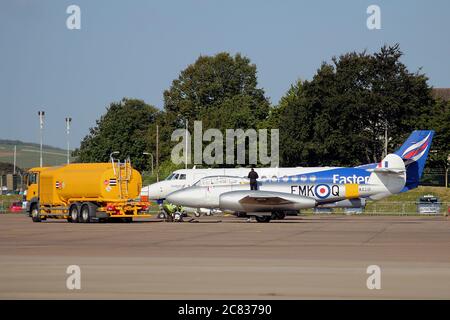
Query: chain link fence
point(406, 208)
point(388, 208)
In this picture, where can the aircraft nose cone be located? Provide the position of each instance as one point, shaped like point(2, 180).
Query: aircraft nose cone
point(189, 197)
point(177, 197)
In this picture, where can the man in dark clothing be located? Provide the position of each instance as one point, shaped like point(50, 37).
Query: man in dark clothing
point(253, 175)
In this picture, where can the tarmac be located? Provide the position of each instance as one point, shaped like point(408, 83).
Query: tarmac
point(314, 257)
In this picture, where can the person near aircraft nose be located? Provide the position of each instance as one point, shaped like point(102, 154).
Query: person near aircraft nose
point(253, 175)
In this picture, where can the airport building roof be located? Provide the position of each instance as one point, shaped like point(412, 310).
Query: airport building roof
point(443, 93)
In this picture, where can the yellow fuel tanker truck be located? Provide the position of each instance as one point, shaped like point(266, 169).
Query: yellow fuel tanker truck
point(85, 192)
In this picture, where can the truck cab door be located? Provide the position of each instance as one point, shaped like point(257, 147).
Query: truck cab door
point(32, 185)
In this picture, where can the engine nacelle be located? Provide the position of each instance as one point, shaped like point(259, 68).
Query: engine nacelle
point(263, 201)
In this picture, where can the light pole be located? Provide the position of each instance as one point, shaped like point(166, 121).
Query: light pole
point(151, 157)
point(186, 150)
point(446, 171)
point(15, 158)
point(385, 139)
point(41, 126)
point(157, 153)
point(68, 121)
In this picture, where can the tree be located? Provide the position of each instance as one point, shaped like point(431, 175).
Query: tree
point(340, 116)
point(122, 128)
point(219, 90)
point(212, 81)
point(440, 122)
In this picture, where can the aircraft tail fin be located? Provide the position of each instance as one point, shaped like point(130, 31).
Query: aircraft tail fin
point(414, 153)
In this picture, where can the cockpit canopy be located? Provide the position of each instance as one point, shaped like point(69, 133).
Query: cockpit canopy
point(176, 176)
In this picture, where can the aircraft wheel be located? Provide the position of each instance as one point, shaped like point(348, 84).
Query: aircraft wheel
point(263, 219)
point(278, 215)
point(241, 214)
point(161, 215)
point(177, 217)
point(197, 214)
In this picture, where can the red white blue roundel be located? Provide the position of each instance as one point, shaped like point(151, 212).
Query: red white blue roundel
point(322, 191)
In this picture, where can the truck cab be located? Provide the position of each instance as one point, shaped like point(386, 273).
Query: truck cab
point(32, 191)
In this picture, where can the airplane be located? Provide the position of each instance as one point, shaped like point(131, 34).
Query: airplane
point(184, 178)
point(314, 187)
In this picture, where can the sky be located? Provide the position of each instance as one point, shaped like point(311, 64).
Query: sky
point(136, 49)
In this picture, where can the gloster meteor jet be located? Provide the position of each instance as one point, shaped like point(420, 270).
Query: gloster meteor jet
point(313, 187)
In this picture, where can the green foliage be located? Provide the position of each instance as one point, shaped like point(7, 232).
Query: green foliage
point(123, 128)
point(165, 169)
point(413, 195)
point(216, 83)
point(339, 117)
point(219, 90)
point(440, 122)
point(166, 125)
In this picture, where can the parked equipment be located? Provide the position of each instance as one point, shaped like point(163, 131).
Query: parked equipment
point(85, 192)
point(428, 204)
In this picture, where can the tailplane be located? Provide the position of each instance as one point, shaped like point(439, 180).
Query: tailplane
point(389, 177)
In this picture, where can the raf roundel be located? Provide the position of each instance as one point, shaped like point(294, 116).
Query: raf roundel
point(322, 191)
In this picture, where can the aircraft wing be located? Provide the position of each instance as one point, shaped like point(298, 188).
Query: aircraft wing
point(261, 201)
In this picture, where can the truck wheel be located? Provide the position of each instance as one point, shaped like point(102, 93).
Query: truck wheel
point(35, 216)
point(84, 213)
point(87, 212)
point(263, 219)
point(74, 213)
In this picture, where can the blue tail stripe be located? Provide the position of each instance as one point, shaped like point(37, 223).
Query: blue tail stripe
point(414, 153)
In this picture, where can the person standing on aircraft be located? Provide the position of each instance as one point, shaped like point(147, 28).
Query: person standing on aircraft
point(253, 175)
